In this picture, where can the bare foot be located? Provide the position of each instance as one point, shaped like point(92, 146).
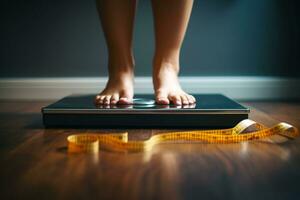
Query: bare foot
point(167, 87)
point(119, 89)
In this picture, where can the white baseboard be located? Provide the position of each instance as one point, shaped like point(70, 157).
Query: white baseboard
point(237, 87)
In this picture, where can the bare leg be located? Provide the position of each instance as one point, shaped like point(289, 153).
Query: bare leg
point(170, 20)
point(117, 18)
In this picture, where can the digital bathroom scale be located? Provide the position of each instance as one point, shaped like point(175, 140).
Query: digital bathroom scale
point(210, 111)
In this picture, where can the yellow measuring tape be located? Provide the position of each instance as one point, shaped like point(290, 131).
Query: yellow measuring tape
point(244, 131)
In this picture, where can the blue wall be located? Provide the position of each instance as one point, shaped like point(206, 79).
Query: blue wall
point(58, 38)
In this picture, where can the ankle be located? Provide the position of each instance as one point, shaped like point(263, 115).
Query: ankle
point(170, 63)
point(120, 71)
point(118, 62)
point(165, 67)
point(121, 75)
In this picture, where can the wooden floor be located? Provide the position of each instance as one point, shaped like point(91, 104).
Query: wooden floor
point(34, 163)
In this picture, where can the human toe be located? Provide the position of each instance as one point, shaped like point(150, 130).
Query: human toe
point(106, 100)
point(175, 99)
point(99, 99)
point(184, 100)
point(125, 98)
point(162, 98)
point(114, 99)
point(191, 99)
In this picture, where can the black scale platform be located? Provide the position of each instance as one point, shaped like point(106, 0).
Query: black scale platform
point(210, 111)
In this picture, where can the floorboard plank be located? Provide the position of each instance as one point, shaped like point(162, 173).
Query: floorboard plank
point(34, 162)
